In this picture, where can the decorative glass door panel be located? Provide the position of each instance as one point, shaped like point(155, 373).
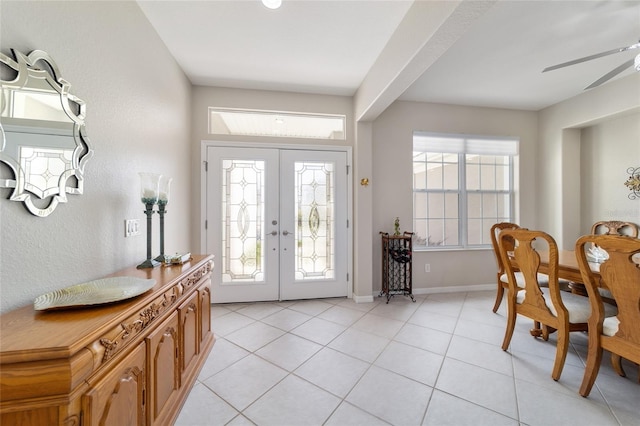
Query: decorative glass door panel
point(313, 261)
point(242, 214)
point(315, 230)
point(241, 202)
point(277, 223)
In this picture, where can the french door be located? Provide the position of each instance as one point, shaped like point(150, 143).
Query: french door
point(277, 223)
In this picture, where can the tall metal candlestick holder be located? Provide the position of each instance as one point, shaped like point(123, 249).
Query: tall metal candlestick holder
point(149, 196)
point(161, 211)
point(149, 263)
point(164, 187)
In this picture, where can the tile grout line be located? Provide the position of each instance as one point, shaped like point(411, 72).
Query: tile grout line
point(467, 302)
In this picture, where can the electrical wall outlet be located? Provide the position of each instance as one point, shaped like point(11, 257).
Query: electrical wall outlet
point(427, 267)
point(131, 227)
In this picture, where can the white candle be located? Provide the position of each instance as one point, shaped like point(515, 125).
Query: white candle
point(149, 187)
point(163, 198)
point(164, 189)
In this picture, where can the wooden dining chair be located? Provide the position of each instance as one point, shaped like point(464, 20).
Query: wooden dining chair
point(501, 276)
point(620, 273)
point(558, 310)
point(615, 227)
point(608, 227)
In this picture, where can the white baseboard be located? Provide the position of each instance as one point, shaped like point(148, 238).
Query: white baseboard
point(363, 299)
point(431, 290)
point(455, 289)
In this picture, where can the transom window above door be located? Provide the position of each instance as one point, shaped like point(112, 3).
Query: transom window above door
point(282, 124)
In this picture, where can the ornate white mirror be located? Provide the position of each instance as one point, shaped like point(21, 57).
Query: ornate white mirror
point(42, 133)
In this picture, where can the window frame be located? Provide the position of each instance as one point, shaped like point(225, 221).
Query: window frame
point(276, 118)
point(463, 192)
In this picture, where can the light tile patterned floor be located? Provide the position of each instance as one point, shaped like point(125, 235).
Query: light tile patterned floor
point(437, 361)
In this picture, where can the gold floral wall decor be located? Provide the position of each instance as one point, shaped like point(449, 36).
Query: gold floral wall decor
point(633, 183)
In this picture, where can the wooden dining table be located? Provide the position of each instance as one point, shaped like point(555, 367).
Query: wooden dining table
point(568, 269)
point(567, 265)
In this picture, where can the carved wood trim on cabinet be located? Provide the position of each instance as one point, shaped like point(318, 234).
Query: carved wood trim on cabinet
point(131, 362)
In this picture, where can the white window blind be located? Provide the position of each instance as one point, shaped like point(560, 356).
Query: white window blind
point(459, 144)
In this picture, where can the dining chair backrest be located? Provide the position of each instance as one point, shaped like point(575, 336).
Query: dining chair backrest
point(611, 227)
point(500, 276)
point(527, 259)
point(615, 227)
point(496, 229)
point(620, 273)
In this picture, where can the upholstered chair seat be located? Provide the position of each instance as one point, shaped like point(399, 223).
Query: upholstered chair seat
point(610, 326)
point(543, 279)
point(578, 306)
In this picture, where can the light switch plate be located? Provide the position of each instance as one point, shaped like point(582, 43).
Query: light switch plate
point(131, 227)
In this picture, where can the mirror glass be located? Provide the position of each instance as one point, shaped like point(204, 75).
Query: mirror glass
point(43, 139)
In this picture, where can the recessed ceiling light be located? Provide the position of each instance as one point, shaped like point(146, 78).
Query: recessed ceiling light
point(272, 4)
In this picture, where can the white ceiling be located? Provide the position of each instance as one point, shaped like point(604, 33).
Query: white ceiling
point(499, 60)
point(329, 47)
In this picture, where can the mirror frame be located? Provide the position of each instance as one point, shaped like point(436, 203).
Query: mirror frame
point(35, 73)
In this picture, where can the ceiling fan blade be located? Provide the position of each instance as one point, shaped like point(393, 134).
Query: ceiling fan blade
point(588, 58)
point(611, 74)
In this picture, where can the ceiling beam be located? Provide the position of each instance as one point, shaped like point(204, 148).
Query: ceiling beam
point(426, 32)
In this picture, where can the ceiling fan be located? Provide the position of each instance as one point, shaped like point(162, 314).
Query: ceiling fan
point(631, 62)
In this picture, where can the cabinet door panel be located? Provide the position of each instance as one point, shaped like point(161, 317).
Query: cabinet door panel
point(190, 339)
point(204, 292)
point(118, 398)
point(164, 371)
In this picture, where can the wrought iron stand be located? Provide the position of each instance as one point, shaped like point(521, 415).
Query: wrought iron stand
point(396, 265)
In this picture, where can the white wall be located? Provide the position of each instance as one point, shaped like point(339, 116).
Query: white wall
point(138, 119)
point(205, 97)
point(392, 182)
point(363, 212)
point(559, 154)
point(607, 150)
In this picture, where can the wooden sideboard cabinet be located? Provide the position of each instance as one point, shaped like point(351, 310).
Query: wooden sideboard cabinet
point(127, 363)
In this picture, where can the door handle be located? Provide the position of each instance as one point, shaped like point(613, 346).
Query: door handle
point(285, 233)
point(274, 233)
